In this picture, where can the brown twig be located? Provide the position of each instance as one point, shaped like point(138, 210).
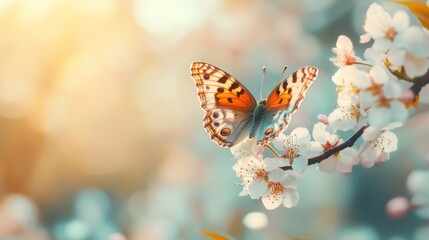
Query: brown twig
point(349, 143)
point(419, 82)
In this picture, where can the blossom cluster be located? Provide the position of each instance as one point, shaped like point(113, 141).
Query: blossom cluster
point(370, 97)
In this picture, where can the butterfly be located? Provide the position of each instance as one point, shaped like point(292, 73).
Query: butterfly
point(232, 113)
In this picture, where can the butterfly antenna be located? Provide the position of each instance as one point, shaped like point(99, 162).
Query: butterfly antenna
point(264, 69)
point(281, 76)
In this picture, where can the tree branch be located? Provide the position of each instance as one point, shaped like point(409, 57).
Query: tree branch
point(349, 143)
point(418, 84)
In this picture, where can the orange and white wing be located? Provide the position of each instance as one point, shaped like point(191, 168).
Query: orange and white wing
point(289, 93)
point(228, 104)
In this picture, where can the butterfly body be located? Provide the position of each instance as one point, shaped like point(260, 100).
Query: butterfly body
point(257, 117)
point(232, 113)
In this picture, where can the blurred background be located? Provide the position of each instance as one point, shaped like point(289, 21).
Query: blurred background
point(101, 128)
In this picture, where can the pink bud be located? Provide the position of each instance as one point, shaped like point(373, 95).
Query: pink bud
point(407, 96)
point(323, 119)
point(117, 236)
point(398, 207)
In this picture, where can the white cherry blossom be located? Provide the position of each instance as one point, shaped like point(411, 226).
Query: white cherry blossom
point(327, 138)
point(344, 79)
point(347, 115)
point(382, 27)
point(283, 191)
point(345, 54)
point(296, 147)
point(378, 143)
point(253, 176)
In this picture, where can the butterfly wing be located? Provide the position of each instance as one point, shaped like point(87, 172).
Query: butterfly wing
point(228, 104)
point(282, 102)
point(288, 94)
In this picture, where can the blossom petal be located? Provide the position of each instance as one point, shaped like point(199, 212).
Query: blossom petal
point(300, 164)
point(277, 175)
point(349, 156)
point(415, 66)
point(301, 134)
point(379, 116)
point(371, 133)
point(365, 38)
point(399, 111)
point(328, 165)
point(396, 56)
point(279, 141)
point(274, 163)
point(290, 197)
point(304, 149)
point(381, 45)
point(401, 20)
point(366, 99)
point(244, 192)
point(388, 141)
point(315, 148)
point(290, 180)
point(271, 201)
point(319, 132)
point(246, 148)
point(341, 118)
point(379, 74)
point(377, 21)
point(257, 188)
point(345, 43)
point(392, 89)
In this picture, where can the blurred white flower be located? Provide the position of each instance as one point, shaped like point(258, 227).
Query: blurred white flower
point(345, 54)
point(296, 147)
point(283, 191)
point(378, 143)
point(417, 185)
